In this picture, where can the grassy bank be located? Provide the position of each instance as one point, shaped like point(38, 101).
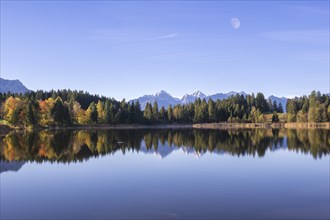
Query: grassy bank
point(324, 125)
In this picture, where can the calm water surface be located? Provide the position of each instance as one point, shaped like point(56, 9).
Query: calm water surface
point(169, 174)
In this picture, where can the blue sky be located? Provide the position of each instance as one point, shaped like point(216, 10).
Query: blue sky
point(128, 49)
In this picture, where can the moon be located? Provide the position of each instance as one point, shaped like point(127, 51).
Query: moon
point(235, 23)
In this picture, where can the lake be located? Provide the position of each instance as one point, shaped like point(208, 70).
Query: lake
point(166, 174)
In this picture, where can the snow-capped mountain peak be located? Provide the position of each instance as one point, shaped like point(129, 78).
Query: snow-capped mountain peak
point(199, 94)
point(231, 93)
point(191, 98)
point(162, 93)
point(162, 98)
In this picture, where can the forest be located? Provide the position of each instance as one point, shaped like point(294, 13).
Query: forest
point(67, 108)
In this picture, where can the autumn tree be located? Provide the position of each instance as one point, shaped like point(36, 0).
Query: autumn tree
point(79, 115)
point(100, 112)
point(45, 107)
point(14, 111)
point(255, 114)
point(148, 114)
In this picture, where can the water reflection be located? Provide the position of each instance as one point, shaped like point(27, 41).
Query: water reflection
point(10, 166)
point(72, 145)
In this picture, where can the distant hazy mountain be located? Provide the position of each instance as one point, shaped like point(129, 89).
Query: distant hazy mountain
point(162, 98)
point(13, 86)
point(221, 96)
point(278, 100)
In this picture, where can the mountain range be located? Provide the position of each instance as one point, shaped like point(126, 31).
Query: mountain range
point(164, 99)
point(12, 86)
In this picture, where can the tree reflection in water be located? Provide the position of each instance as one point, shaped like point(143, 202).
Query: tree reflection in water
point(79, 145)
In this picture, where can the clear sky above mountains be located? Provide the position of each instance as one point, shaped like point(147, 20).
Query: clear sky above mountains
point(128, 49)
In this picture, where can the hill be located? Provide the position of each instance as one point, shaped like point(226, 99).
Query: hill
point(12, 86)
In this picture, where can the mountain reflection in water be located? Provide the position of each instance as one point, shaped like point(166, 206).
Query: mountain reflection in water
point(78, 145)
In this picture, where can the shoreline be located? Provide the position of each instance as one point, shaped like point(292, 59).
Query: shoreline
point(289, 125)
point(121, 126)
point(5, 129)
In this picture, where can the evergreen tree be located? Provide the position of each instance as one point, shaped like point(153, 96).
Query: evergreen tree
point(271, 106)
point(31, 114)
point(204, 111)
point(291, 110)
point(312, 99)
point(155, 112)
point(275, 118)
point(130, 113)
point(92, 113)
point(66, 115)
point(275, 107)
point(60, 113)
point(121, 114)
point(107, 112)
point(318, 115)
point(162, 115)
point(237, 111)
point(201, 111)
point(138, 112)
point(261, 103)
point(302, 116)
point(170, 114)
point(280, 108)
point(211, 111)
point(305, 106)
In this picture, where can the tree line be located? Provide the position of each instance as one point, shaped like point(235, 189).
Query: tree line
point(67, 107)
point(314, 108)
